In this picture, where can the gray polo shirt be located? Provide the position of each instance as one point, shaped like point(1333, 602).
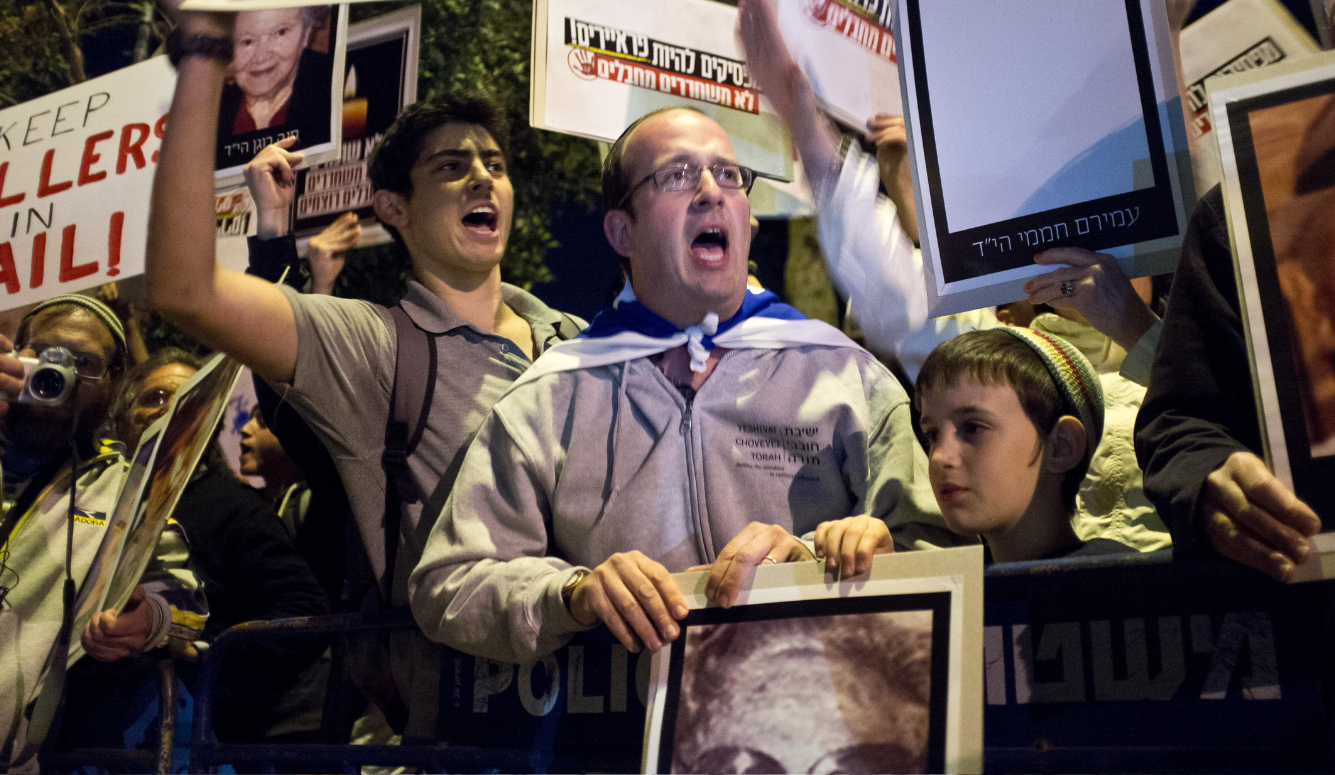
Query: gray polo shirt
point(345, 371)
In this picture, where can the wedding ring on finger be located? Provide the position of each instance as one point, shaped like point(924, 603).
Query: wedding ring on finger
point(770, 559)
point(1068, 288)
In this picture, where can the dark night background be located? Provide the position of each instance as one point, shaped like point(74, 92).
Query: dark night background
point(584, 265)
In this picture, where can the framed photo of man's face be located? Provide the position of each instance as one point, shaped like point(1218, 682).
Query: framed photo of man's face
point(285, 80)
point(1277, 147)
point(808, 673)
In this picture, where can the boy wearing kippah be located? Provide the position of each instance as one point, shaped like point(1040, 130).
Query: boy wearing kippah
point(1011, 417)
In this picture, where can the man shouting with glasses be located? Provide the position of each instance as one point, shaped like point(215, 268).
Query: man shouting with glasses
point(695, 423)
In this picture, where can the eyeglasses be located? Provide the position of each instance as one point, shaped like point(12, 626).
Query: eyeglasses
point(686, 176)
point(87, 365)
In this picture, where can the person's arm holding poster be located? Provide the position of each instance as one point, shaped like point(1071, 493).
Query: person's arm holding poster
point(243, 316)
point(869, 253)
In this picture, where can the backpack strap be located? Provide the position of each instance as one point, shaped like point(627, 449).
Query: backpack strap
point(410, 402)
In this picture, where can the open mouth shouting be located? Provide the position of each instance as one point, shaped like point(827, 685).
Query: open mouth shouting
point(710, 247)
point(482, 220)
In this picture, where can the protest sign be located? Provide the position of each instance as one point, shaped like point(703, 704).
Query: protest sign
point(1238, 36)
point(1276, 131)
point(379, 82)
point(76, 175)
point(598, 65)
point(180, 439)
point(847, 50)
point(285, 80)
point(234, 211)
point(810, 673)
point(1013, 155)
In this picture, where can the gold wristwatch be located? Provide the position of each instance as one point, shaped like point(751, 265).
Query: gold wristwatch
point(568, 588)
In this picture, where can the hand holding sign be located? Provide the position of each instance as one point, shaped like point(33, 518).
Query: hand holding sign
point(635, 597)
point(1094, 285)
point(849, 545)
point(757, 543)
point(110, 636)
point(1252, 518)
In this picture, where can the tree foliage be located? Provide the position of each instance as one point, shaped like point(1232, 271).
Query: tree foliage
point(44, 41)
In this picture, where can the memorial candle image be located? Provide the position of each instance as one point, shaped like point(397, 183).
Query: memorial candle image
point(354, 108)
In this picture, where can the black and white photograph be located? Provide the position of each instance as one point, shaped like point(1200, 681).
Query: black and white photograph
point(808, 673)
point(285, 74)
point(1014, 156)
point(818, 694)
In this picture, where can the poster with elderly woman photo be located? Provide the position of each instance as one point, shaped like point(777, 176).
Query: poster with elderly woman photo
point(285, 80)
point(812, 673)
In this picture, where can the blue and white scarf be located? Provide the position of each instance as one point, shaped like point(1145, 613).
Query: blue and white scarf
point(630, 330)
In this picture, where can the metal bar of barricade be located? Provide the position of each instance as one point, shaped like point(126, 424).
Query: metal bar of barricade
point(166, 714)
point(158, 760)
point(206, 754)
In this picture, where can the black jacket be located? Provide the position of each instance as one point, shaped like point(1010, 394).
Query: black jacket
point(1200, 407)
point(251, 571)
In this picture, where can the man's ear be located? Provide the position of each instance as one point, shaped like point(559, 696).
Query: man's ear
point(1066, 445)
point(390, 207)
point(616, 226)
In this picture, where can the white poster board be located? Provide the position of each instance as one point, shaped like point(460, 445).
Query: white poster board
point(1238, 36)
point(76, 175)
point(1013, 155)
point(847, 50)
point(881, 672)
point(598, 65)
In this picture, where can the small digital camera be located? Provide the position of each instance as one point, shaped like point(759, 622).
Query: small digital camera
point(49, 378)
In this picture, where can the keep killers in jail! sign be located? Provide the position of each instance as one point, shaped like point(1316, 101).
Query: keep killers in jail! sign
point(76, 175)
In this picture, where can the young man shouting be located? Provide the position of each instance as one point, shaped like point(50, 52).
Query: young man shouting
point(441, 187)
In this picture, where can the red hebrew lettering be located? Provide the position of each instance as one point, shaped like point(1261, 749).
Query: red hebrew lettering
point(68, 271)
point(37, 274)
point(6, 201)
point(90, 157)
point(7, 274)
point(44, 186)
point(130, 147)
point(114, 243)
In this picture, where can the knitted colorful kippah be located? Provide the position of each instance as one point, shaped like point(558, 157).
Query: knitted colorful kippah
point(99, 310)
point(1074, 376)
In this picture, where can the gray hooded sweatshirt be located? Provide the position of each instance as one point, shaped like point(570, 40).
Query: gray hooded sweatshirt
point(572, 467)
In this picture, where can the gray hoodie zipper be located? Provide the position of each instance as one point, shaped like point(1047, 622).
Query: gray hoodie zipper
point(702, 540)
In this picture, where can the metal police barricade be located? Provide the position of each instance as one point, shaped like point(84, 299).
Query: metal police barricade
point(1127, 663)
point(1135, 663)
point(158, 759)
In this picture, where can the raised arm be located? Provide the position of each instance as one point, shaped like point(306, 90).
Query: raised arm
point(243, 316)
